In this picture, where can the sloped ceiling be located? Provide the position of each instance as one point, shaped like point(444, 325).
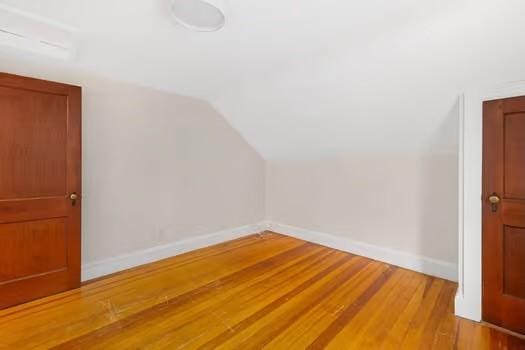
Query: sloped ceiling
point(312, 77)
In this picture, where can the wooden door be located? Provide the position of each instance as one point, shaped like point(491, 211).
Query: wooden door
point(504, 213)
point(39, 172)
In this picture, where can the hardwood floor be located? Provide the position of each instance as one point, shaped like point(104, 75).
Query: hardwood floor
point(262, 291)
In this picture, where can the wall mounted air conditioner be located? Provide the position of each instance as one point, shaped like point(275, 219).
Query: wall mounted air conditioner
point(28, 32)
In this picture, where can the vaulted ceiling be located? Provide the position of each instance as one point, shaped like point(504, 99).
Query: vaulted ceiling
point(312, 77)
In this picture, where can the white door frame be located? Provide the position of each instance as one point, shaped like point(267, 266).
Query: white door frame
point(468, 297)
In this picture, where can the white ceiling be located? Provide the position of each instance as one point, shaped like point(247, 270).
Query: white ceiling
point(311, 77)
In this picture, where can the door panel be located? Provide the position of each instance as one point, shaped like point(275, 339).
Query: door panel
point(504, 217)
point(513, 212)
point(40, 247)
point(39, 168)
point(514, 155)
point(514, 262)
point(33, 143)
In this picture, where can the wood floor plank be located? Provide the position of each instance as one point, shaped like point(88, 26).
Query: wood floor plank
point(81, 315)
point(262, 327)
point(360, 314)
point(310, 325)
point(261, 291)
point(406, 317)
point(445, 332)
point(416, 327)
point(267, 300)
point(379, 315)
point(194, 310)
point(98, 285)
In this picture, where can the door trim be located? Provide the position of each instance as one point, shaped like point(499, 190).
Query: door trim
point(468, 301)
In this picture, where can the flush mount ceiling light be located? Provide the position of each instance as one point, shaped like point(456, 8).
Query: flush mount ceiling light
point(198, 15)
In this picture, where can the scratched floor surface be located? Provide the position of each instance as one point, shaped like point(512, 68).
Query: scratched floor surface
point(262, 291)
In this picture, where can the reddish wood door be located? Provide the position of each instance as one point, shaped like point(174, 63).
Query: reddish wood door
point(39, 172)
point(504, 213)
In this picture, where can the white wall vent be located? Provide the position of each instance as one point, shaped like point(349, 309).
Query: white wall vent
point(25, 31)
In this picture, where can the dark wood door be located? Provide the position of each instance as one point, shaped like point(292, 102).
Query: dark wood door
point(504, 213)
point(39, 173)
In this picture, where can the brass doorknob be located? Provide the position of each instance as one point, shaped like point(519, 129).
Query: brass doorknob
point(494, 199)
point(73, 196)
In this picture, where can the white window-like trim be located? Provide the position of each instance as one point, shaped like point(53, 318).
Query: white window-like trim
point(468, 297)
point(25, 31)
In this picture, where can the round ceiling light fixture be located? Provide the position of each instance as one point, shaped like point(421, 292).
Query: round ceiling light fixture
point(198, 15)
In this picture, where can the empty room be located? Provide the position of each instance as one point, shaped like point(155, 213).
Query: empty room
point(240, 174)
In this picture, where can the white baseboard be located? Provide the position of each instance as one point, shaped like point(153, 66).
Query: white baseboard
point(409, 261)
point(417, 263)
point(129, 260)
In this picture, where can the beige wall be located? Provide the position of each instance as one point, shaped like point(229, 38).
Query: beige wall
point(160, 167)
point(157, 167)
point(399, 201)
point(407, 201)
